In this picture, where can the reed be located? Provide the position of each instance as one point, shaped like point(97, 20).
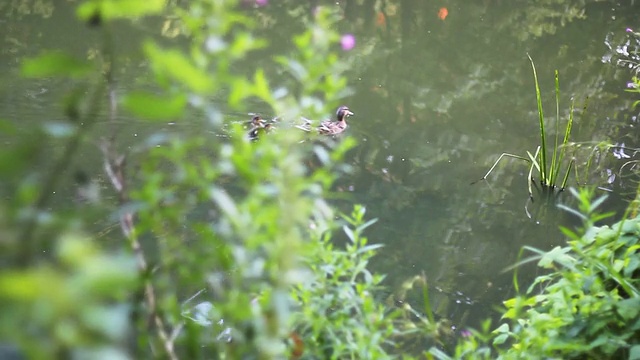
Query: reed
point(546, 163)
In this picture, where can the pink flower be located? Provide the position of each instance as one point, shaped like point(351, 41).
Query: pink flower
point(348, 42)
point(262, 2)
point(629, 30)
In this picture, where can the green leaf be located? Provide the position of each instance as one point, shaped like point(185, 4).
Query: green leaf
point(154, 107)
point(240, 90)
point(502, 329)
point(55, 63)
point(261, 86)
point(224, 201)
point(73, 250)
point(298, 70)
point(322, 154)
point(628, 308)
point(350, 234)
point(500, 339)
point(558, 255)
point(29, 286)
point(439, 354)
point(632, 263)
point(630, 227)
point(597, 202)
point(362, 227)
point(369, 248)
point(113, 9)
point(177, 66)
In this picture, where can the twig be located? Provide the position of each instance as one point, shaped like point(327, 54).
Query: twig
point(114, 166)
point(496, 163)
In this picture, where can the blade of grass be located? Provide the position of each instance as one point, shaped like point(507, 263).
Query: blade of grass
point(566, 176)
point(515, 273)
point(555, 162)
point(427, 302)
point(534, 163)
point(565, 141)
point(530, 181)
point(497, 161)
point(543, 145)
point(533, 159)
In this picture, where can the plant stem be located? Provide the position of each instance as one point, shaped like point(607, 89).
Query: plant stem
point(544, 180)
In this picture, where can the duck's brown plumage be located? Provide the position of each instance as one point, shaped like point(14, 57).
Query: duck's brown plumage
point(257, 126)
point(332, 127)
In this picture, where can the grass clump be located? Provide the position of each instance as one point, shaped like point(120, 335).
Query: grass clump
point(548, 168)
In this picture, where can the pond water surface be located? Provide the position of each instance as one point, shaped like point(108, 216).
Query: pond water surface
point(438, 97)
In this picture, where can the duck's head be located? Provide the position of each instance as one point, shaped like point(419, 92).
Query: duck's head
point(343, 112)
point(257, 121)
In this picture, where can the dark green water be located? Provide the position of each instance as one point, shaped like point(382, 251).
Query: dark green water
point(436, 102)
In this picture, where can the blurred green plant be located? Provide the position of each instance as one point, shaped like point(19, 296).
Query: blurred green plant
point(339, 317)
point(586, 306)
point(230, 251)
point(72, 305)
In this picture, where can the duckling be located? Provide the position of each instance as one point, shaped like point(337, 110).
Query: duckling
point(258, 125)
point(330, 127)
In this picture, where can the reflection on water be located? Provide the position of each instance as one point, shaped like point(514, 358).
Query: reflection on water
point(438, 98)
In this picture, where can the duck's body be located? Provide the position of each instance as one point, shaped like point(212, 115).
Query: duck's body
point(331, 127)
point(258, 125)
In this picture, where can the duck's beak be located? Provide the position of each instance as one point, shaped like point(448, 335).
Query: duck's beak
point(349, 113)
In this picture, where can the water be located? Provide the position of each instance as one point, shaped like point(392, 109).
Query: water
point(436, 102)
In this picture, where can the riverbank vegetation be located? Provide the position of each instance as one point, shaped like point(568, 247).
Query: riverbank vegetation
point(225, 249)
point(585, 305)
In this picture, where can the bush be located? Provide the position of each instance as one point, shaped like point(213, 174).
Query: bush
point(585, 307)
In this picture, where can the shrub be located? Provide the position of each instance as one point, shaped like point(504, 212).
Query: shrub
point(585, 307)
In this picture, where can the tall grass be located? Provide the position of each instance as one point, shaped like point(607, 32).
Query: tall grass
point(548, 169)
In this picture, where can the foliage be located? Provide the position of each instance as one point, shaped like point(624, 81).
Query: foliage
point(72, 305)
point(230, 252)
point(586, 306)
point(339, 316)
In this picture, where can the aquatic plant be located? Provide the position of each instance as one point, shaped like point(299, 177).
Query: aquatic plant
point(549, 175)
point(548, 170)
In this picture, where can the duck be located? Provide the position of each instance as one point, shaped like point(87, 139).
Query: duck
point(258, 125)
point(331, 127)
